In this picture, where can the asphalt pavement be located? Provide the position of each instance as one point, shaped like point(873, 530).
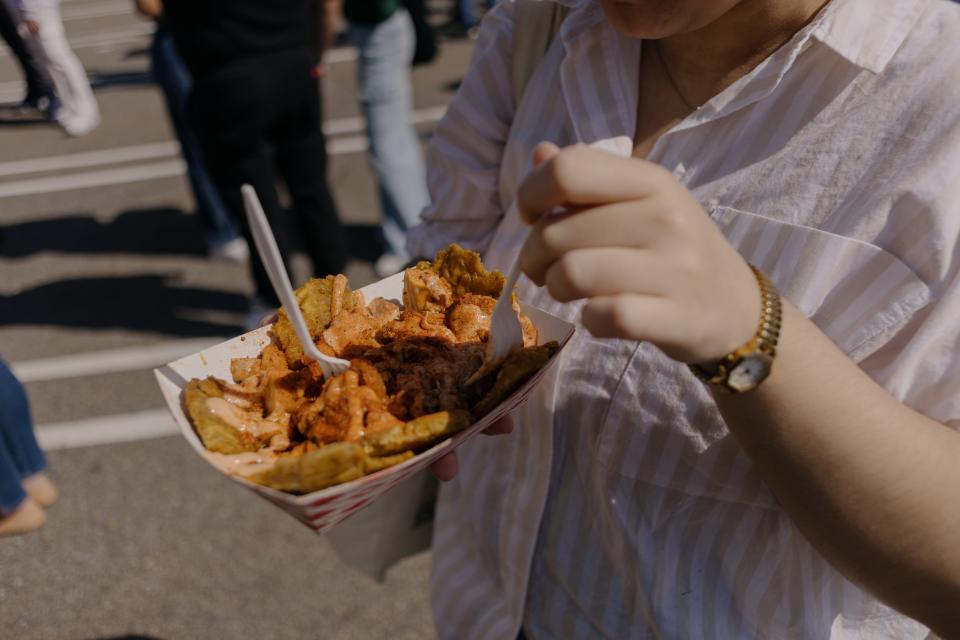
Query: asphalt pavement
point(102, 277)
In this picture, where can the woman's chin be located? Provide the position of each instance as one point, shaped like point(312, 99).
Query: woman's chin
point(655, 19)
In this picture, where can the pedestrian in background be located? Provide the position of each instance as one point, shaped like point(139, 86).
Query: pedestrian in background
point(39, 91)
point(385, 37)
point(221, 231)
point(41, 26)
point(25, 490)
point(256, 105)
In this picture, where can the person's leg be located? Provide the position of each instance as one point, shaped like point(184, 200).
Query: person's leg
point(20, 458)
point(79, 111)
point(228, 111)
point(16, 426)
point(386, 98)
point(38, 86)
point(465, 13)
point(169, 71)
point(302, 160)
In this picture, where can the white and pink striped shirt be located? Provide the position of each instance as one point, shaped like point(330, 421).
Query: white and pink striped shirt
point(622, 507)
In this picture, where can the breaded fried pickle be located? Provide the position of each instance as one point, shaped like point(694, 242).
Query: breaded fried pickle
point(314, 470)
point(516, 369)
point(320, 299)
point(215, 434)
point(464, 270)
point(418, 433)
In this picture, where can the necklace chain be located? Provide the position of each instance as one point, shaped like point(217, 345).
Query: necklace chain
point(673, 83)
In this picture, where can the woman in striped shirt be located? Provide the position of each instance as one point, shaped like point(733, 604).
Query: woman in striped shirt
point(817, 141)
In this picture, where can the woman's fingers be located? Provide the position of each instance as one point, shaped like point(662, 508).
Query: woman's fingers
point(608, 271)
point(445, 468)
point(543, 152)
point(502, 427)
point(623, 224)
point(580, 175)
point(641, 317)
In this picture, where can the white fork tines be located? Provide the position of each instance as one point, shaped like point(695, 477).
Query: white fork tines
point(506, 332)
point(273, 263)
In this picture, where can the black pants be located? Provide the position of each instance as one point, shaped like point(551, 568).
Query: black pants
point(259, 117)
point(36, 85)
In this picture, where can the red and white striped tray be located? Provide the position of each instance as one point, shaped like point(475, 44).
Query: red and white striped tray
point(321, 510)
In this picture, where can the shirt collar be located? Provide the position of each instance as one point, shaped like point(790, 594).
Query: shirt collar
point(865, 32)
point(862, 33)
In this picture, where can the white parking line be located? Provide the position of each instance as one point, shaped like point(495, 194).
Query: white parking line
point(168, 165)
point(129, 427)
point(136, 358)
point(133, 153)
point(89, 179)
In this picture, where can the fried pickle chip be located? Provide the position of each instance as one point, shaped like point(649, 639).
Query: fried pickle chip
point(215, 434)
point(516, 369)
point(464, 270)
point(418, 433)
point(320, 299)
point(314, 470)
point(377, 463)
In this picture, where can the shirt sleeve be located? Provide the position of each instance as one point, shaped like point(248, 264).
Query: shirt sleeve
point(920, 366)
point(464, 155)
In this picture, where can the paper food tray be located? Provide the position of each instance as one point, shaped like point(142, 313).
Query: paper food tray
point(323, 509)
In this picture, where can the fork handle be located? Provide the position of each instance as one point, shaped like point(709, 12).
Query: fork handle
point(270, 256)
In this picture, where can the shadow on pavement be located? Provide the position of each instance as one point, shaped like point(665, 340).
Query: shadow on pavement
point(128, 637)
point(12, 116)
point(104, 79)
point(145, 302)
point(141, 231)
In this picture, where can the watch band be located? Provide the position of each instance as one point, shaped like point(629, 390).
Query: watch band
point(764, 341)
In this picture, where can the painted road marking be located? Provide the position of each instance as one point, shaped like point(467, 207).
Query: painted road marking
point(93, 363)
point(90, 179)
point(116, 155)
point(127, 427)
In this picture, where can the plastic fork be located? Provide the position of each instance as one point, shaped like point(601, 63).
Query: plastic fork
point(506, 333)
point(270, 255)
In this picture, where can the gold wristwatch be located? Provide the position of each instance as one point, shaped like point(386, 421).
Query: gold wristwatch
point(746, 367)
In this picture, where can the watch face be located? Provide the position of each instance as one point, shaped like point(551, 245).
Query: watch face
point(749, 372)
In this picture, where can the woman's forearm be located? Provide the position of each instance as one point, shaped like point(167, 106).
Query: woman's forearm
point(874, 485)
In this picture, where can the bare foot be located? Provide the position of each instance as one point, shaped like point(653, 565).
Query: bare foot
point(41, 490)
point(28, 517)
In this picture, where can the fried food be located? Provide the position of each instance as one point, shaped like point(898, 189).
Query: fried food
point(321, 300)
point(315, 470)
point(419, 433)
point(516, 369)
point(281, 424)
point(464, 270)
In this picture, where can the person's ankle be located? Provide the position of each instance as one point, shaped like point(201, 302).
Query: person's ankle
point(41, 489)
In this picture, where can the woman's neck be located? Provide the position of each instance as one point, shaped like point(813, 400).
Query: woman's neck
point(681, 72)
point(704, 62)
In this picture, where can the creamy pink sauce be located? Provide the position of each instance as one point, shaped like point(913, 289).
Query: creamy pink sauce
point(242, 421)
point(242, 464)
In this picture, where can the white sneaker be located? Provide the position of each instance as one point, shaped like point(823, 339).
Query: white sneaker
point(258, 314)
point(235, 250)
point(389, 264)
point(77, 126)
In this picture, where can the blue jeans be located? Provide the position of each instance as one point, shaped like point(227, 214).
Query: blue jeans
point(20, 456)
point(465, 12)
point(386, 97)
point(169, 71)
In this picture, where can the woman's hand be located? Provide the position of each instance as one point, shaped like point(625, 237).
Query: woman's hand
point(639, 247)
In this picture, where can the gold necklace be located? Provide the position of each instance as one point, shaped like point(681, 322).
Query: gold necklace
point(673, 83)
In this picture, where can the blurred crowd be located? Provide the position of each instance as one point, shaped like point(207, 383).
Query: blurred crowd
point(242, 82)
